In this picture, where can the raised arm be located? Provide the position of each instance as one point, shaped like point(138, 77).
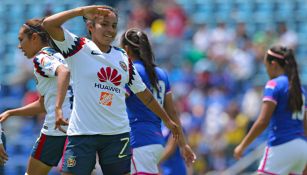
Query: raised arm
point(31, 109)
point(54, 22)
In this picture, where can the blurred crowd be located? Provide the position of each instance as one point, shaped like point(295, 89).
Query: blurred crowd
point(215, 70)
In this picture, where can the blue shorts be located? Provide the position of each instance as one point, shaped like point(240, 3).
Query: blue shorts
point(113, 151)
point(49, 149)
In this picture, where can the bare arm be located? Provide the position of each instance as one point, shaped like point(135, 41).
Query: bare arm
point(260, 125)
point(147, 98)
point(185, 149)
point(171, 111)
point(54, 22)
point(149, 101)
point(63, 77)
point(31, 109)
point(169, 149)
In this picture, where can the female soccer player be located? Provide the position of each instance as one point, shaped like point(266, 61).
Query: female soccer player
point(146, 136)
point(283, 110)
point(52, 77)
point(99, 121)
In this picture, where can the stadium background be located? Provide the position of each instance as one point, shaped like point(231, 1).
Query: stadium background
point(212, 50)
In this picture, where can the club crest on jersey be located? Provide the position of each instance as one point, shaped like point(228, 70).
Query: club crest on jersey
point(109, 74)
point(271, 84)
point(123, 66)
point(106, 98)
point(71, 161)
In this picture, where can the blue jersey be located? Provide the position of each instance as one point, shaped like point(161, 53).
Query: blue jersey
point(284, 125)
point(145, 125)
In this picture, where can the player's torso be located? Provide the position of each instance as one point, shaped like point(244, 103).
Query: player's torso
point(99, 80)
point(285, 125)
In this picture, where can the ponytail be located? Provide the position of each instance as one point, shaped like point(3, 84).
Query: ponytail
point(295, 91)
point(290, 66)
point(140, 46)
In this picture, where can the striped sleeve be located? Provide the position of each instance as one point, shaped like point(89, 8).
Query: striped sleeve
point(46, 65)
point(71, 45)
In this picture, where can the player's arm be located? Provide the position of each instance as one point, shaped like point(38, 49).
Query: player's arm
point(150, 102)
point(305, 124)
point(169, 149)
point(186, 151)
point(171, 111)
point(63, 77)
point(259, 126)
point(54, 22)
point(31, 109)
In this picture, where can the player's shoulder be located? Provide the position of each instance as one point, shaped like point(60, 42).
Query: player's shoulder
point(120, 50)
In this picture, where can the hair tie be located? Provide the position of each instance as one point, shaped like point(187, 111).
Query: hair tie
point(131, 42)
point(275, 54)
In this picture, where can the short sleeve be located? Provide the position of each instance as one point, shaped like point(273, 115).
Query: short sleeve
point(270, 91)
point(135, 82)
point(167, 84)
point(46, 65)
point(71, 44)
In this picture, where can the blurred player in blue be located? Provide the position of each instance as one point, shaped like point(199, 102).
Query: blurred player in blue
point(52, 78)
point(283, 111)
point(146, 135)
point(171, 161)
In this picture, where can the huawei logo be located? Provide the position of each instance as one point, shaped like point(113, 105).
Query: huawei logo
point(109, 74)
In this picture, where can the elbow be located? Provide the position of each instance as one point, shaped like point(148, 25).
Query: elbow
point(66, 72)
point(46, 24)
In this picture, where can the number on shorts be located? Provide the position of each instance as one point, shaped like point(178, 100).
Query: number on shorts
point(121, 154)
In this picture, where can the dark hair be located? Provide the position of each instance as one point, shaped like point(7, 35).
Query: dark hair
point(105, 7)
point(35, 26)
point(139, 44)
point(285, 58)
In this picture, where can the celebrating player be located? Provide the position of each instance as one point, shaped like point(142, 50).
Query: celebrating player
point(99, 121)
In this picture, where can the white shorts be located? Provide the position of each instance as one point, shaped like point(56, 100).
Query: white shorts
point(145, 159)
point(287, 158)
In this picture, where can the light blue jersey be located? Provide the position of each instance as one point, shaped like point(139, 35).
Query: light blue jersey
point(145, 125)
point(284, 125)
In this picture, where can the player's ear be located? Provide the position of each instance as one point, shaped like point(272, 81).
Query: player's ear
point(34, 36)
point(90, 27)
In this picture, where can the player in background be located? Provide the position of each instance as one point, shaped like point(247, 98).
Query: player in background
point(146, 136)
point(52, 76)
point(171, 161)
point(3, 154)
point(99, 121)
point(283, 111)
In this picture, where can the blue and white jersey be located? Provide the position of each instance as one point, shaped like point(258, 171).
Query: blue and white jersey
point(145, 125)
point(284, 125)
